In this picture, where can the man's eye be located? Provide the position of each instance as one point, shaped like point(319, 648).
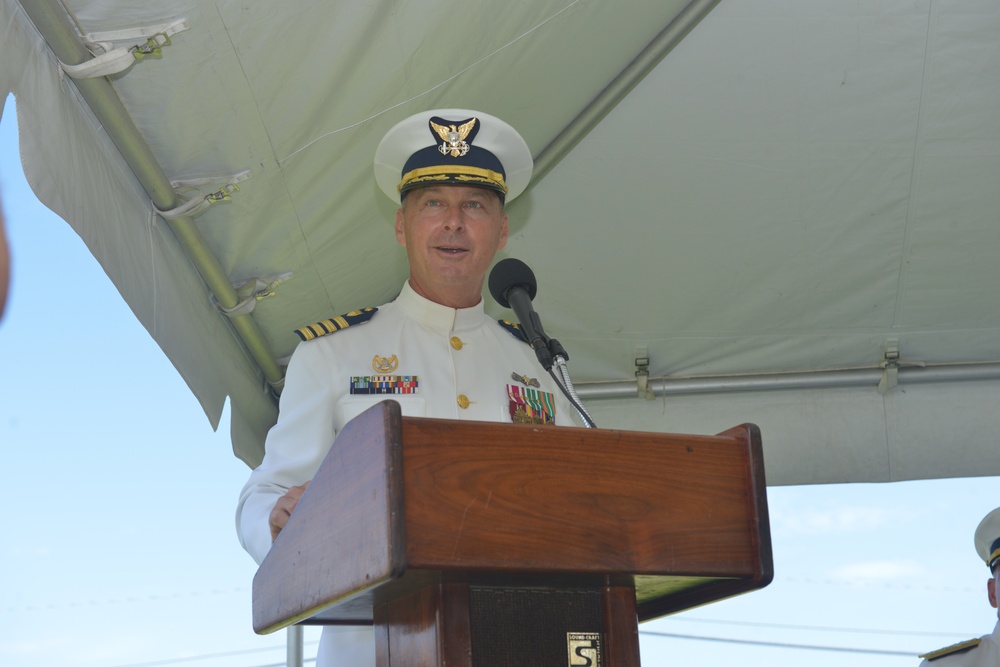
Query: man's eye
point(475, 204)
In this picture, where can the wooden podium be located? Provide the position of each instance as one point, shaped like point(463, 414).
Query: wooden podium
point(473, 544)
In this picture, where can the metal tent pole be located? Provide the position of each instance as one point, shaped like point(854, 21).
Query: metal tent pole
point(860, 377)
point(294, 649)
point(614, 92)
point(61, 34)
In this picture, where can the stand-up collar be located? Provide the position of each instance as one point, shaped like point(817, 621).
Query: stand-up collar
point(438, 317)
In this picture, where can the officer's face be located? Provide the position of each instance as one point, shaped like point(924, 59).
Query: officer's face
point(451, 234)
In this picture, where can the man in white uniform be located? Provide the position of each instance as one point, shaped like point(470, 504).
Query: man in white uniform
point(985, 651)
point(433, 349)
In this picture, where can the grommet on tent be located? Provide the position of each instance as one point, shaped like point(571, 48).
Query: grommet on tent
point(251, 291)
point(197, 202)
point(109, 60)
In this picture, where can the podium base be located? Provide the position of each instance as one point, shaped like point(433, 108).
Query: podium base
point(458, 624)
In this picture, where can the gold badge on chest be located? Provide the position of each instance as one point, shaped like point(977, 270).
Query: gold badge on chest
point(385, 365)
point(525, 380)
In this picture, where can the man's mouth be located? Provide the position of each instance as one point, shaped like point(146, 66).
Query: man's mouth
point(452, 250)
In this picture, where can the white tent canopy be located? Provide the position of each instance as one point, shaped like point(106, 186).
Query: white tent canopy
point(790, 209)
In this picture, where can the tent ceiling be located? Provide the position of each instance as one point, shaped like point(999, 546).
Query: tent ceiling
point(793, 188)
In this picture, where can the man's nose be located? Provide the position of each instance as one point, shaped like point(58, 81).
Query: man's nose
point(454, 219)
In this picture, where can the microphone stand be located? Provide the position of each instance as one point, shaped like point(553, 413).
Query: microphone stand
point(513, 286)
point(553, 354)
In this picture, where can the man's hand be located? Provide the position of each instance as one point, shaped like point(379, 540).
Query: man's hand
point(283, 509)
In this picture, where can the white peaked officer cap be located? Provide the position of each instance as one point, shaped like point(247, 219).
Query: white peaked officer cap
point(453, 147)
point(988, 539)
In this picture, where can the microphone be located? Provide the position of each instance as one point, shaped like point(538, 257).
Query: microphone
point(513, 286)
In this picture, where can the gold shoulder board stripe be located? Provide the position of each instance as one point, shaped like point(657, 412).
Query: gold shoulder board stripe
point(950, 650)
point(324, 327)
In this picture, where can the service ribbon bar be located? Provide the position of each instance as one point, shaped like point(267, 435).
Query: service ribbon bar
point(384, 384)
point(531, 406)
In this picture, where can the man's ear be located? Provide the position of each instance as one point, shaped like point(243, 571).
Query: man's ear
point(400, 234)
point(991, 588)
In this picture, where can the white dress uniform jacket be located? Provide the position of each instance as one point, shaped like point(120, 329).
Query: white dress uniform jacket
point(986, 654)
point(459, 357)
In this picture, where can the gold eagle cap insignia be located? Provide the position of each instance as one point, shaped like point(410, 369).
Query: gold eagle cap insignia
point(454, 137)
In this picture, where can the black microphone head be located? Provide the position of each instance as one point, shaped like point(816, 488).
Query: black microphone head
point(509, 273)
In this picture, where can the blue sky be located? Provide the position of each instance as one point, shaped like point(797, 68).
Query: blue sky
point(119, 547)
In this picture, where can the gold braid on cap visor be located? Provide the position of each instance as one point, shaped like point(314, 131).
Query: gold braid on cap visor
point(992, 560)
point(441, 174)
